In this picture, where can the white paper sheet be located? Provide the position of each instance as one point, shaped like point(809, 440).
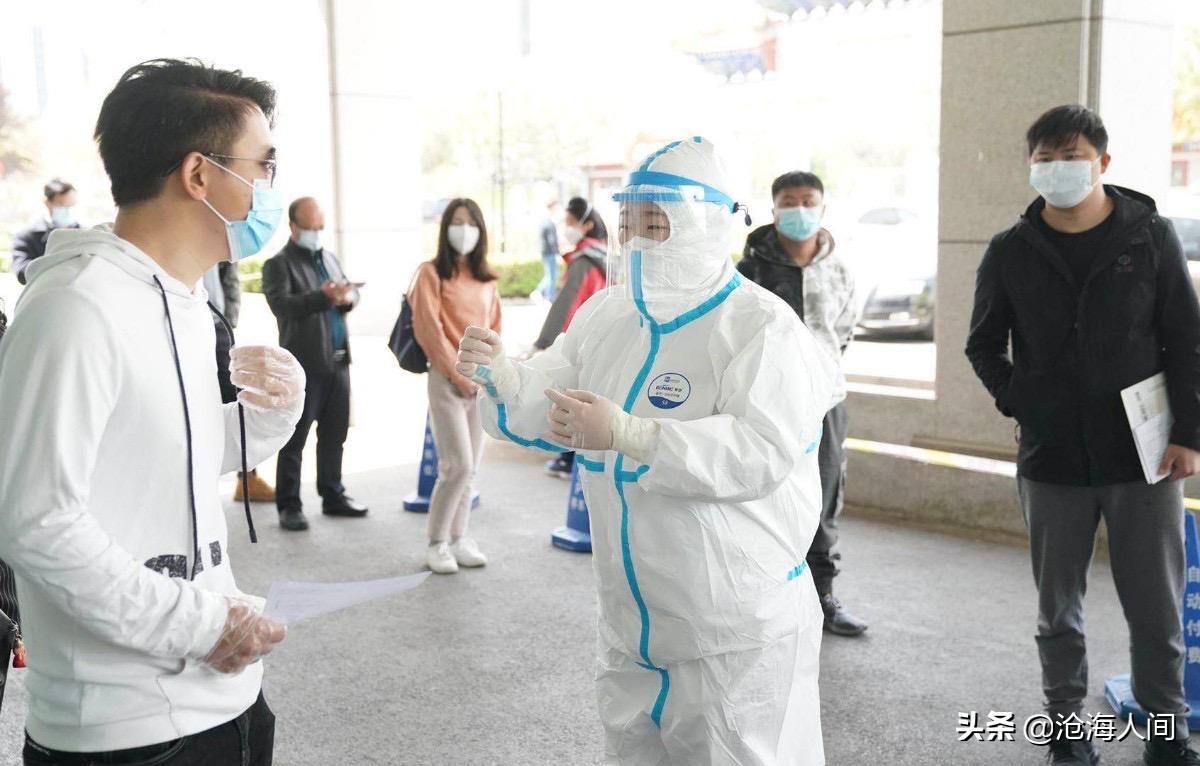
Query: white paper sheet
point(295, 602)
point(1149, 414)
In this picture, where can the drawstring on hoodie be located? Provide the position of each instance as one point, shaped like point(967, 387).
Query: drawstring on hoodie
point(242, 431)
point(187, 424)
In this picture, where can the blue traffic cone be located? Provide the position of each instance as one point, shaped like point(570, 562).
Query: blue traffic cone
point(1118, 688)
point(577, 534)
point(427, 477)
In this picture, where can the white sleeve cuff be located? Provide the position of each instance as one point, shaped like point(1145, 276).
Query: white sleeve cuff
point(635, 437)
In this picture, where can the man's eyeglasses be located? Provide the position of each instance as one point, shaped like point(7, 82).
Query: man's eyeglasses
point(269, 166)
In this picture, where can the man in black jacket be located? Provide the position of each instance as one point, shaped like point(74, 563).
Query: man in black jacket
point(29, 243)
point(1092, 289)
point(309, 295)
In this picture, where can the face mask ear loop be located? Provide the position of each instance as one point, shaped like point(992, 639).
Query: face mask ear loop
point(242, 433)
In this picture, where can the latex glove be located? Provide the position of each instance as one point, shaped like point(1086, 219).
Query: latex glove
point(481, 358)
point(247, 638)
point(584, 420)
point(269, 376)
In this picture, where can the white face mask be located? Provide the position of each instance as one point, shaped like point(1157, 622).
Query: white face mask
point(463, 237)
point(309, 239)
point(1063, 183)
point(572, 235)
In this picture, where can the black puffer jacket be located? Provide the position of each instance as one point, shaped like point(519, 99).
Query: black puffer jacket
point(1075, 346)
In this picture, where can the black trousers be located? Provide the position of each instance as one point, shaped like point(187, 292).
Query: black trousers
point(8, 639)
point(327, 403)
point(228, 390)
point(831, 462)
point(248, 740)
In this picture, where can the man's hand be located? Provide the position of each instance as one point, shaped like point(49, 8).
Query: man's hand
point(1180, 462)
point(269, 376)
point(246, 639)
point(341, 293)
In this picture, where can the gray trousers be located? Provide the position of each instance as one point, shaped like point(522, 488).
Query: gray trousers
point(831, 462)
point(1146, 550)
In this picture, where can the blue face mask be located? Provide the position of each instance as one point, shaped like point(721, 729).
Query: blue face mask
point(62, 216)
point(248, 237)
point(799, 223)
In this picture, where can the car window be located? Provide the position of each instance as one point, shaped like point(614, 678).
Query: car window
point(1188, 230)
point(887, 216)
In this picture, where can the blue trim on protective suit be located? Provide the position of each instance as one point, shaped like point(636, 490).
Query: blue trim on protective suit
point(622, 477)
point(659, 153)
point(644, 177)
point(797, 570)
point(595, 466)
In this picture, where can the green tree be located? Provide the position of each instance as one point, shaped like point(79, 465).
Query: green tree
point(13, 157)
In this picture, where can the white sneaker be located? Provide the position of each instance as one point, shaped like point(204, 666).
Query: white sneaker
point(440, 560)
point(467, 553)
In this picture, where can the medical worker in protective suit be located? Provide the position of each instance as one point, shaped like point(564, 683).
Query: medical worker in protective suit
point(694, 400)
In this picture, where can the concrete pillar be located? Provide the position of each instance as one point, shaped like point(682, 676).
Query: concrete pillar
point(376, 152)
point(1003, 64)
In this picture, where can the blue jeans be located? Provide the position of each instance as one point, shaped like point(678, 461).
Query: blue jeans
point(548, 287)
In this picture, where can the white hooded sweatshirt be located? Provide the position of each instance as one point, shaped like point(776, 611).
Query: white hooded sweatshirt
point(94, 511)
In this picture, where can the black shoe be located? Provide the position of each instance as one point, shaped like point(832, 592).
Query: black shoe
point(838, 621)
point(1170, 752)
point(560, 467)
point(343, 506)
point(293, 520)
point(1068, 751)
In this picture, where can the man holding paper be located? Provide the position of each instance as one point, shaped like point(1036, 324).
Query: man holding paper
point(1092, 288)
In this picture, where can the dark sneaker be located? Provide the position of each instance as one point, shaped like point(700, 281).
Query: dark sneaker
point(1066, 751)
point(293, 520)
point(838, 621)
point(560, 467)
point(1170, 752)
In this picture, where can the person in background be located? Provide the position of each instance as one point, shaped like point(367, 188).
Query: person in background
point(548, 238)
point(1090, 290)
point(798, 260)
point(224, 290)
point(455, 290)
point(310, 297)
point(10, 617)
point(584, 230)
point(29, 243)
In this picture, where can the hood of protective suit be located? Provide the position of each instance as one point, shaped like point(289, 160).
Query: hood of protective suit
point(683, 182)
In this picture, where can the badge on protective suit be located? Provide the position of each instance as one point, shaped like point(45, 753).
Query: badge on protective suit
point(669, 391)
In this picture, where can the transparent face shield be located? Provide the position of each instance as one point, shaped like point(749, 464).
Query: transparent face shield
point(669, 253)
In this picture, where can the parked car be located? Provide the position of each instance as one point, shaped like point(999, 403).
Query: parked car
point(901, 308)
point(1188, 230)
point(895, 268)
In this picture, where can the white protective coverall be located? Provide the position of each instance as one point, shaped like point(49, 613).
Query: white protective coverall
point(710, 628)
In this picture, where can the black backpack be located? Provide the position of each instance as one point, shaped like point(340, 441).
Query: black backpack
point(403, 342)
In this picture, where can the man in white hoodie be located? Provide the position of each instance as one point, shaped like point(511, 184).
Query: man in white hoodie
point(141, 648)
